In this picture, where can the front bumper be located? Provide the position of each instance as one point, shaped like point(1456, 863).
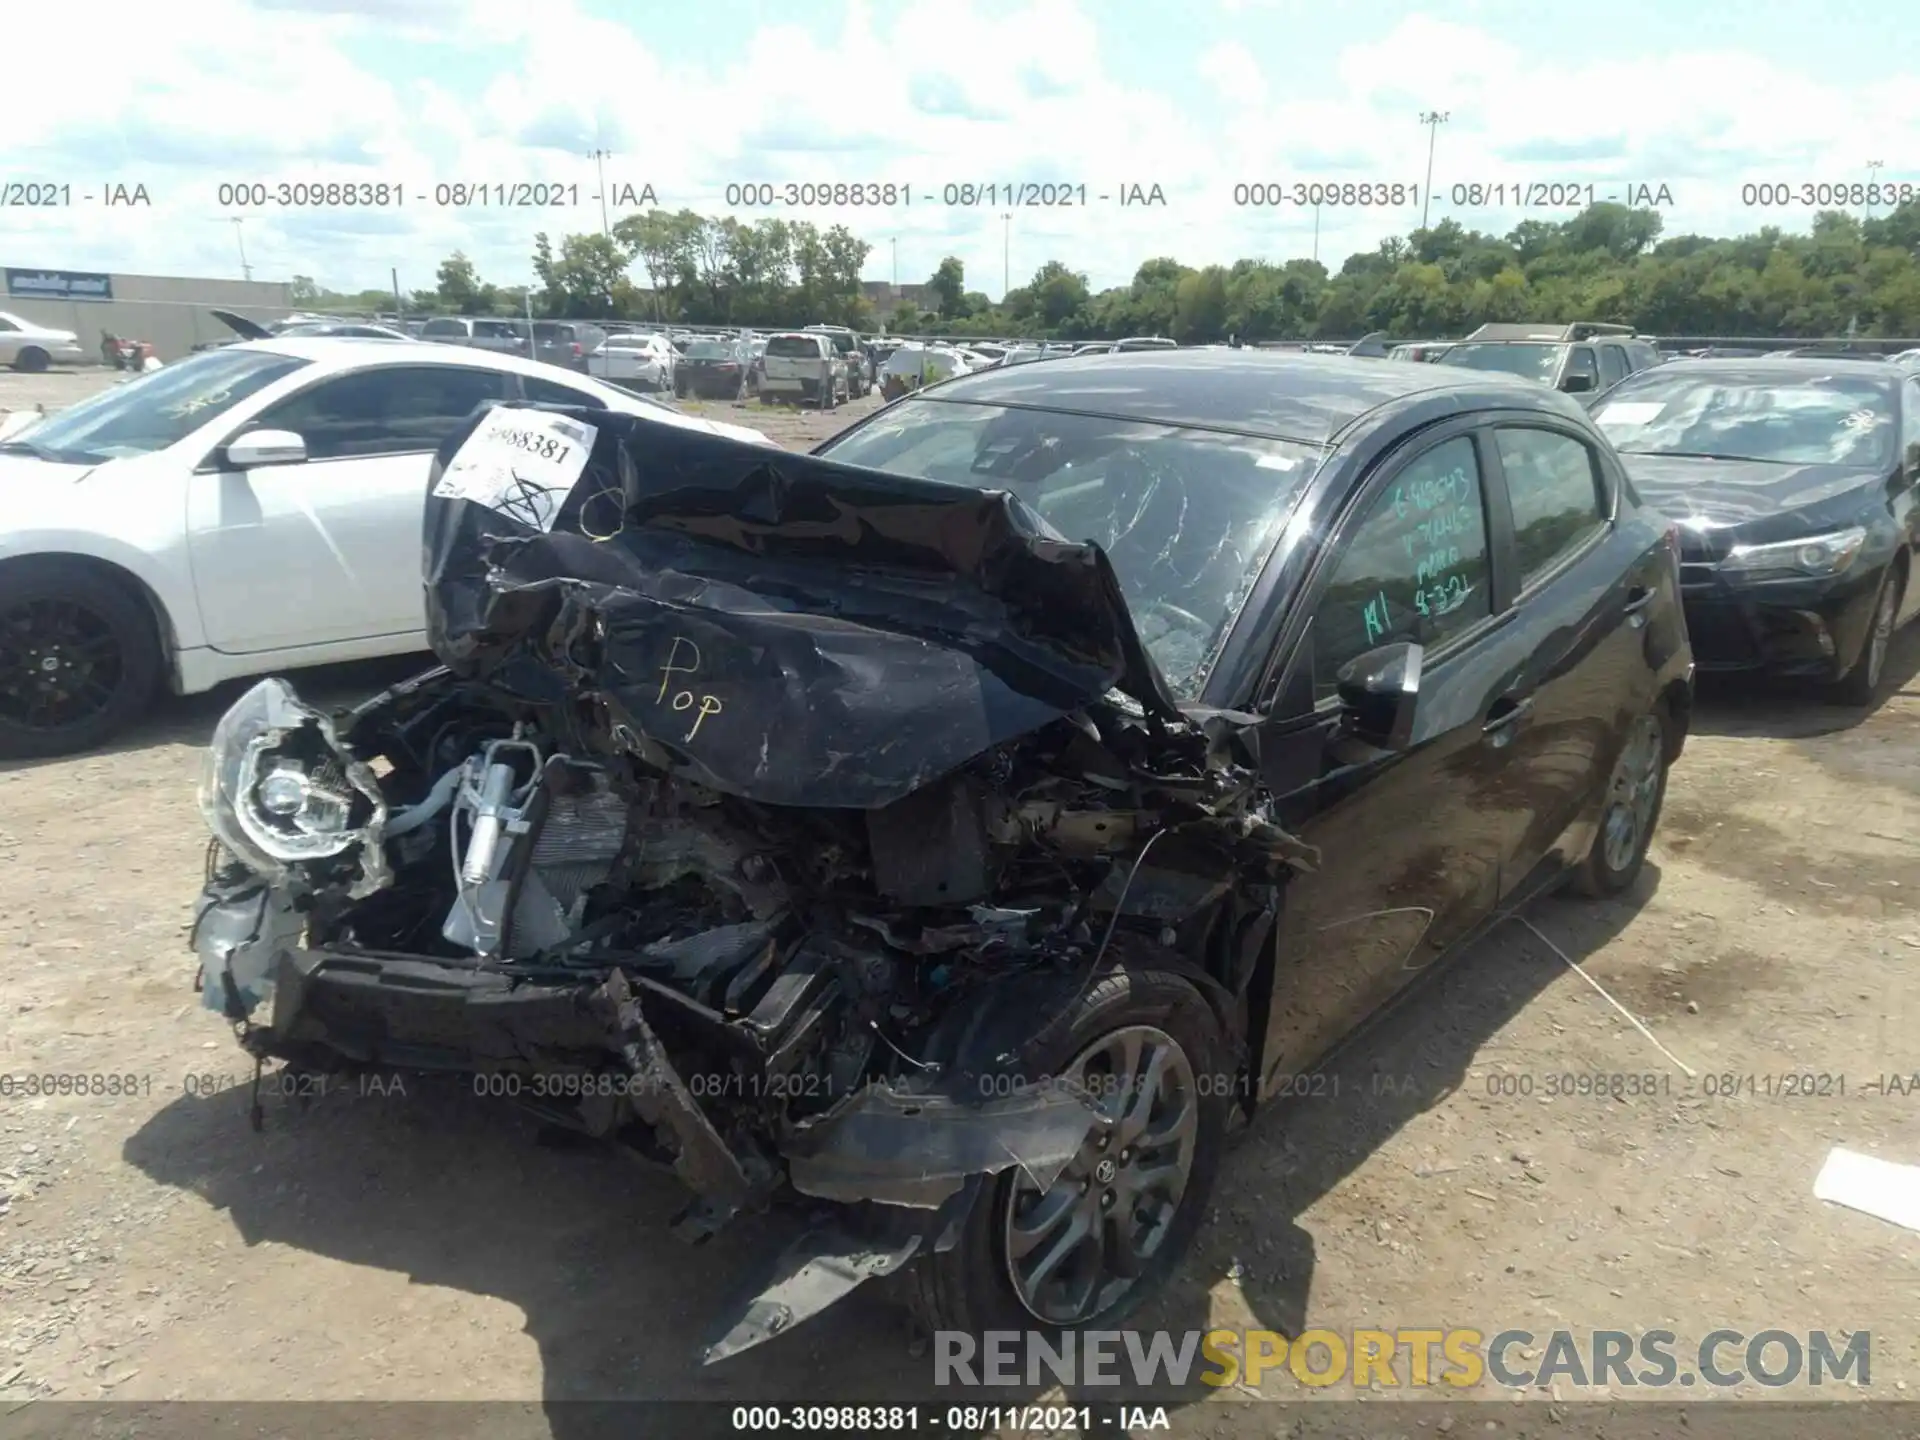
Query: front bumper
point(1812, 628)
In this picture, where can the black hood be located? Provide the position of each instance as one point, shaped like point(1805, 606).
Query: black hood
point(1765, 501)
point(779, 626)
point(246, 329)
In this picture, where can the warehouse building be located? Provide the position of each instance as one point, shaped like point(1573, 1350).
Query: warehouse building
point(174, 312)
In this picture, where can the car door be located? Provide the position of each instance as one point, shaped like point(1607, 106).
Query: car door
point(1582, 373)
point(1411, 840)
point(1613, 365)
point(1905, 500)
point(328, 549)
point(1584, 596)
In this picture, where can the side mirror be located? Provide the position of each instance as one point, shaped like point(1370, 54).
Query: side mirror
point(1574, 384)
point(265, 447)
point(1379, 692)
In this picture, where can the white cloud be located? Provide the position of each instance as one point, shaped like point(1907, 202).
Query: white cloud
point(921, 94)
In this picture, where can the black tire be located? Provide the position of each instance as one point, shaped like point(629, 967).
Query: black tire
point(828, 395)
point(1860, 686)
point(33, 360)
point(119, 655)
point(971, 1287)
point(1614, 861)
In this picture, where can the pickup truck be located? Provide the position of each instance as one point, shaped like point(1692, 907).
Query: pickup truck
point(803, 366)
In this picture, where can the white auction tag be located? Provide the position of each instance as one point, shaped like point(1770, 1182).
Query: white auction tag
point(522, 463)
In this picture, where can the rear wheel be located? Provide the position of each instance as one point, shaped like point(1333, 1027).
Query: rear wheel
point(1635, 792)
point(32, 359)
point(78, 659)
point(1861, 684)
point(1095, 1242)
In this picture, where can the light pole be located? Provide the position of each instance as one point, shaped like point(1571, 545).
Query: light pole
point(239, 238)
point(1873, 179)
point(1433, 120)
point(1006, 256)
point(599, 158)
point(896, 267)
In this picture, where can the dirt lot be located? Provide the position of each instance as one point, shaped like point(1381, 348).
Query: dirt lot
point(423, 1246)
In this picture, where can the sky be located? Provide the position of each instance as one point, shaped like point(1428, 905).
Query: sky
point(1195, 97)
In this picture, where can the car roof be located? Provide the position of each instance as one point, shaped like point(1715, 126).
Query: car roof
point(343, 352)
point(1778, 367)
point(1276, 394)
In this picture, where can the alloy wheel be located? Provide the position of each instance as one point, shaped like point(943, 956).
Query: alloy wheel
point(1632, 794)
point(60, 665)
point(1076, 1248)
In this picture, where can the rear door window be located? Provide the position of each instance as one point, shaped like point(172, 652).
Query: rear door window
point(1559, 500)
point(546, 392)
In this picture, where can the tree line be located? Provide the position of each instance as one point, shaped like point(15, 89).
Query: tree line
point(1609, 262)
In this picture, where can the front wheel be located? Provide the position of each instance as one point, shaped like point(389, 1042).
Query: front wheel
point(1861, 684)
point(78, 659)
point(1635, 792)
point(1096, 1241)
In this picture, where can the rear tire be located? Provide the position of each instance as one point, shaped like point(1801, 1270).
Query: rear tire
point(58, 620)
point(1636, 790)
point(33, 360)
point(983, 1283)
point(1860, 686)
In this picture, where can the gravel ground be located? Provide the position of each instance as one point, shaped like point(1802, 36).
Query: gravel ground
point(423, 1246)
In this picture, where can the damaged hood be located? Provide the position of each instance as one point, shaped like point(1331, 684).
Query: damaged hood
point(775, 626)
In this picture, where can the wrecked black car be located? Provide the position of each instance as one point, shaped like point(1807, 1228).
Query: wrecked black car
point(834, 829)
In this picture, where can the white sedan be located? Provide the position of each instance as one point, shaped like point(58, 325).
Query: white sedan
point(645, 360)
point(28, 346)
point(247, 509)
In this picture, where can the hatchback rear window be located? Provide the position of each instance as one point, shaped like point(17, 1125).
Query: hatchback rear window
point(794, 347)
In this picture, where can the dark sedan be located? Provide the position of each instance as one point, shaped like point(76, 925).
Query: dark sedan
point(1793, 483)
point(1053, 765)
point(713, 370)
point(1458, 626)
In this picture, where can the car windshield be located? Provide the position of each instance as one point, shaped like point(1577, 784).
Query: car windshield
point(158, 409)
point(1830, 420)
point(1534, 362)
point(707, 350)
point(1188, 517)
point(793, 347)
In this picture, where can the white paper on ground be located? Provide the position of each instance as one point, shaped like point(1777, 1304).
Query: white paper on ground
point(1871, 1185)
point(522, 463)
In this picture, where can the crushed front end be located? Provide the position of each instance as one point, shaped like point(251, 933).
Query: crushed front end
point(758, 817)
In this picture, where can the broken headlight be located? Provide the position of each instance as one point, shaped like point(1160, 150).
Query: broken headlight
point(276, 787)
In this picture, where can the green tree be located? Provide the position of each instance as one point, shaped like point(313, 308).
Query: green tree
point(949, 283)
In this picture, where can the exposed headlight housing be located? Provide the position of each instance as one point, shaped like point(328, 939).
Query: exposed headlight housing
point(277, 788)
point(1817, 556)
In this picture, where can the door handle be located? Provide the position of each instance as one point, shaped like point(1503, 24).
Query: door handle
point(1507, 713)
point(1639, 598)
